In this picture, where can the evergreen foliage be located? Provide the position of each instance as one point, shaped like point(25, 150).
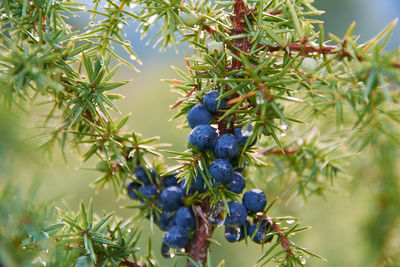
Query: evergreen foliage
point(277, 93)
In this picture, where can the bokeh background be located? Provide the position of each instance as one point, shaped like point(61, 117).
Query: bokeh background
point(338, 220)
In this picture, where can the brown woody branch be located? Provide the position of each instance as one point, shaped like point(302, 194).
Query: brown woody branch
point(281, 235)
point(306, 49)
point(277, 151)
point(199, 247)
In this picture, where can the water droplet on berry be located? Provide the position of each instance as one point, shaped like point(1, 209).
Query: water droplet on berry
point(233, 234)
point(216, 216)
point(246, 132)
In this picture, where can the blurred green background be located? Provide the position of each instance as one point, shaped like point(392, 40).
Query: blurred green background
point(338, 220)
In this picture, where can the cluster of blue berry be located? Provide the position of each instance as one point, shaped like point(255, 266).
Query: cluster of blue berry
point(166, 193)
point(224, 170)
point(176, 219)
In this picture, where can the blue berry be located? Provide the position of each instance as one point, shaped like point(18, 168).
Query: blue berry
point(236, 166)
point(171, 198)
point(197, 184)
point(184, 218)
point(142, 175)
point(242, 136)
point(165, 251)
point(176, 237)
point(258, 231)
point(237, 214)
point(211, 102)
point(148, 191)
point(166, 220)
point(244, 230)
point(237, 183)
point(198, 115)
point(221, 170)
point(204, 137)
point(227, 146)
point(254, 200)
point(130, 187)
point(170, 180)
point(232, 234)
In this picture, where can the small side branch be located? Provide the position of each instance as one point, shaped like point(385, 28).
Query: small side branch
point(278, 151)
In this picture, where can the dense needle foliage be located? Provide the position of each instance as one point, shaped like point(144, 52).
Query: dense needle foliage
point(308, 104)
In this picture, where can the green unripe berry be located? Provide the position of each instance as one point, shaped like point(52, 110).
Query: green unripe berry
point(215, 47)
point(309, 64)
point(190, 19)
point(84, 261)
point(102, 166)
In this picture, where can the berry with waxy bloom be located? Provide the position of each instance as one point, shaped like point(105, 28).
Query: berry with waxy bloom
point(254, 200)
point(198, 115)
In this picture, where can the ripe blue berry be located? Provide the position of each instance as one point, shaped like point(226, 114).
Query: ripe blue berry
point(204, 137)
point(196, 185)
point(171, 198)
point(176, 237)
point(232, 234)
point(130, 187)
point(142, 175)
point(211, 102)
point(242, 135)
point(221, 170)
point(237, 183)
point(166, 220)
point(148, 191)
point(237, 214)
point(165, 251)
point(170, 180)
point(184, 218)
point(254, 200)
point(198, 115)
point(227, 146)
point(258, 231)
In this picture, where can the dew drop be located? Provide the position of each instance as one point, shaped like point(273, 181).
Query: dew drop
point(260, 100)
point(303, 261)
point(132, 5)
point(300, 141)
point(290, 221)
point(133, 57)
point(284, 127)
point(120, 25)
point(232, 234)
point(246, 132)
point(216, 216)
